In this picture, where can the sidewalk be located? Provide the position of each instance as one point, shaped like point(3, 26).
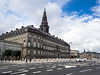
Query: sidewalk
point(38, 61)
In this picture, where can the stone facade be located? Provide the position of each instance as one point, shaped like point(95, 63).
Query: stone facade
point(7, 45)
point(74, 53)
point(38, 43)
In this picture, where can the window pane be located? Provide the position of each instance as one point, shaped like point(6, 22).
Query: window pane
point(34, 44)
point(29, 44)
point(28, 51)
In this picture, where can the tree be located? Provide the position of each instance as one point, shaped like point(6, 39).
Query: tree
point(8, 53)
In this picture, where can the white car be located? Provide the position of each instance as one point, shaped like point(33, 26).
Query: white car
point(80, 59)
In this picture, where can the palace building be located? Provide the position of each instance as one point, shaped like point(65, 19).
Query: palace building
point(38, 42)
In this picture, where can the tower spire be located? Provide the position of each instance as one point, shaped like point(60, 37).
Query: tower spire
point(44, 24)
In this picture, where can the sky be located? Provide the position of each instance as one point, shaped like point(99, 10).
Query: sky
point(76, 21)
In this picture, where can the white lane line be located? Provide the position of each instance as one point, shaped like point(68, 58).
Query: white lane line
point(4, 68)
point(97, 67)
point(86, 65)
point(81, 65)
point(20, 72)
point(37, 72)
point(40, 66)
point(48, 66)
point(92, 64)
point(21, 69)
point(85, 70)
point(59, 68)
point(69, 74)
point(60, 65)
point(32, 68)
point(53, 67)
point(50, 70)
point(6, 72)
point(97, 64)
point(69, 66)
point(14, 65)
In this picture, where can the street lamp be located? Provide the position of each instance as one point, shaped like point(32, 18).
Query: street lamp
point(70, 50)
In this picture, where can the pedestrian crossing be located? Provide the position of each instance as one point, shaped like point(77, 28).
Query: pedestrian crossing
point(49, 68)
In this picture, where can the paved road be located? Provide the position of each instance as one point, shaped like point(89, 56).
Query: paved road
point(52, 68)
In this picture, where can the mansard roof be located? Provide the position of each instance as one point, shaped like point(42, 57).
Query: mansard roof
point(32, 29)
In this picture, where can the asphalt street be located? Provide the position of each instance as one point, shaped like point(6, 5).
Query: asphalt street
point(52, 68)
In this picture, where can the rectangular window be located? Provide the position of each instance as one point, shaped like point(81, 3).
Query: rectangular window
point(39, 38)
point(34, 52)
point(34, 44)
point(24, 35)
point(38, 52)
point(28, 51)
point(29, 35)
point(24, 44)
point(41, 45)
point(34, 36)
point(38, 45)
point(29, 44)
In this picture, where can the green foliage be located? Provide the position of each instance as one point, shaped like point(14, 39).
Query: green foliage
point(12, 53)
point(8, 52)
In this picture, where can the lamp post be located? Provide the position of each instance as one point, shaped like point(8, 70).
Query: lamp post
point(70, 50)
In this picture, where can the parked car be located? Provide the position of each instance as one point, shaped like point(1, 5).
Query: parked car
point(80, 59)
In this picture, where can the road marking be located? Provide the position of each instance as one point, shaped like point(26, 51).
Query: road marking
point(14, 65)
point(81, 65)
point(32, 68)
point(37, 72)
point(21, 69)
point(85, 70)
point(97, 67)
point(4, 68)
point(92, 64)
point(69, 66)
point(53, 67)
point(86, 65)
point(40, 66)
point(20, 72)
point(97, 64)
point(59, 64)
point(59, 68)
point(6, 72)
point(50, 70)
point(48, 66)
point(69, 74)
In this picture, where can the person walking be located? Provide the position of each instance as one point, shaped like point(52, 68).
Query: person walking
point(30, 60)
point(26, 60)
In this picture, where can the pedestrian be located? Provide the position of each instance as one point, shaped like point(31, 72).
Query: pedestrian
point(26, 60)
point(5, 59)
point(9, 59)
point(30, 60)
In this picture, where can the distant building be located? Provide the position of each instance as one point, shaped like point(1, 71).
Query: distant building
point(7, 45)
point(38, 43)
point(74, 53)
point(90, 55)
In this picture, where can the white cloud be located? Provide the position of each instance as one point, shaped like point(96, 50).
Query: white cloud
point(82, 31)
point(96, 9)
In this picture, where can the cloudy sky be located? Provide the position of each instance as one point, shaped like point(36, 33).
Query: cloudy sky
point(76, 21)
